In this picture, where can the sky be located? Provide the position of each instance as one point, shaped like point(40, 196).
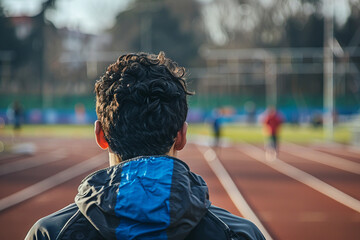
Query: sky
point(94, 16)
point(90, 16)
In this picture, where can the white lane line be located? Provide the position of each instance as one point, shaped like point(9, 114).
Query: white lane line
point(354, 149)
point(231, 188)
point(32, 162)
point(323, 158)
point(8, 156)
point(52, 181)
point(350, 148)
point(344, 152)
point(303, 177)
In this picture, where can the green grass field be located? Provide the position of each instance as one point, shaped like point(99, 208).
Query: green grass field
point(255, 134)
point(235, 133)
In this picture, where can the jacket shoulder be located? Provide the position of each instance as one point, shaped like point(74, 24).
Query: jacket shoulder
point(67, 223)
point(78, 227)
point(50, 226)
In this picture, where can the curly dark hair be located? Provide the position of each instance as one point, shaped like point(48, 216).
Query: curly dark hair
point(141, 102)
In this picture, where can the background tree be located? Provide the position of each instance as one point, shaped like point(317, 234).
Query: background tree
point(275, 23)
point(8, 39)
point(153, 26)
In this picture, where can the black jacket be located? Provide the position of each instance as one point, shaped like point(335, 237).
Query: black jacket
point(155, 197)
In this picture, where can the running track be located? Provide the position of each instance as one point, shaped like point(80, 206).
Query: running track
point(310, 192)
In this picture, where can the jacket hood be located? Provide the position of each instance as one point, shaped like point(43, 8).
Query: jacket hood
point(155, 197)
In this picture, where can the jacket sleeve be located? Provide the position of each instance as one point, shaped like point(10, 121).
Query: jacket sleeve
point(241, 226)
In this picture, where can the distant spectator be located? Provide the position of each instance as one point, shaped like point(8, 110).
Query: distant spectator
point(317, 120)
point(272, 123)
point(250, 109)
point(217, 128)
point(14, 115)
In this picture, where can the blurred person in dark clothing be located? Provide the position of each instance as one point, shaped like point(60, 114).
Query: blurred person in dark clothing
point(250, 109)
point(146, 193)
point(15, 114)
point(217, 127)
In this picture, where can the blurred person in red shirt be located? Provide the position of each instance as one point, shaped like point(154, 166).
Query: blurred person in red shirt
point(272, 122)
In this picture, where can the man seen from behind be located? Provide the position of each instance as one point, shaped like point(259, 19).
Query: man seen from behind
point(146, 193)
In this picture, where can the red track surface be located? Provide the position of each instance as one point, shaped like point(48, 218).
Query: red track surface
point(287, 208)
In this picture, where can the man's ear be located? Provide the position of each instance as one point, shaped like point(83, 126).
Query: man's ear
point(99, 136)
point(180, 140)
